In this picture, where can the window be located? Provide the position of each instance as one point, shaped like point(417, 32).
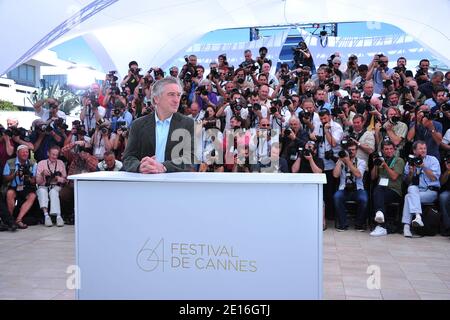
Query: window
point(24, 75)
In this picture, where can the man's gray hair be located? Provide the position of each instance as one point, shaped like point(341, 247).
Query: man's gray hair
point(204, 82)
point(158, 86)
point(437, 74)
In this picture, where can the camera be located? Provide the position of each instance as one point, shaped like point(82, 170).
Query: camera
point(287, 132)
point(350, 184)
point(427, 114)
point(255, 107)
point(112, 76)
point(236, 105)
point(104, 130)
point(188, 76)
point(214, 73)
point(273, 110)
point(387, 83)
point(378, 159)
point(319, 139)
point(329, 155)
point(336, 111)
point(202, 90)
point(409, 106)
point(395, 120)
point(59, 123)
point(304, 152)
point(414, 161)
point(52, 177)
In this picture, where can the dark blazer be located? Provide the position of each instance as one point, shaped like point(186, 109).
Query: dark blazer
point(142, 142)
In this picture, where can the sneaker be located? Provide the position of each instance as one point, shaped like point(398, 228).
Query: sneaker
point(59, 221)
point(48, 221)
point(407, 231)
point(341, 229)
point(379, 217)
point(417, 222)
point(378, 232)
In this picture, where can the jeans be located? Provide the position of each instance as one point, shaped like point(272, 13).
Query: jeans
point(360, 196)
point(444, 202)
point(413, 200)
point(382, 196)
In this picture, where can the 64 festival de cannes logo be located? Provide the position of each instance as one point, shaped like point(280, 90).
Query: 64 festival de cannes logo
point(162, 255)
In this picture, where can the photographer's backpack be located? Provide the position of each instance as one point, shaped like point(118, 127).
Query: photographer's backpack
point(431, 218)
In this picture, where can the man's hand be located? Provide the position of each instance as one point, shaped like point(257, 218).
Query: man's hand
point(309, 158)
point(149, 165)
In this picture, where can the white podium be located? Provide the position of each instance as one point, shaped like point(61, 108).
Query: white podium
point(199, 236)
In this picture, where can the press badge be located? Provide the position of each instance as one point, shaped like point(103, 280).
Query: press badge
point(19, 188)
point(384, 182)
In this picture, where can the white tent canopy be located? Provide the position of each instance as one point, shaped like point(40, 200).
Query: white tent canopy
point(153, 32)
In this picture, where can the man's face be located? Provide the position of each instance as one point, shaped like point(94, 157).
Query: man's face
point(391, 113)
point(348, 85)
point(194, 109)
point(384, 60)
point(424, 65)
point(95, 88)
point(393, 100)
point(110, 161)
point(308, 106)
point(325, 119)
point(437, 80)
point(264, 124)
point(200, 73)
point(336, 65)
point(53, 109)
point(266, 68)
point(368, 89)
point(421, 150)
point(229, 86)
point(192, 60)
point(241, 74)
point(254, 99)
point(12, 123)
point(357, 124)
point(295, 101)
point(134, 67)
point(235, 123)
point(264, 93)
point(320, 95)
point(169, 100)
point(441, 97)
point(53, 155)
point(401, 63)
point(262, 80)
point(311, 147)
point(352, 151)
point(322, 75)
point(356, 96)
point(388, 151)
point(23, 154)
point(295, 125)
point(248, 56)
point(174, 72)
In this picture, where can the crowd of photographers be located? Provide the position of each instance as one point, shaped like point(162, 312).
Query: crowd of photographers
point(381, 135)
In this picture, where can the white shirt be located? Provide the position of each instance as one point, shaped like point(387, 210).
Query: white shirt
point(337, 134)
point(229, 113)
point(446, 138)
point(44, 114)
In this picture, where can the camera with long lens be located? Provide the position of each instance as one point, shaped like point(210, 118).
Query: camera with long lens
point(215, 74)
point(427, 114)
point(112, 76)
point(59, 123)
point(236, 106)
point(414, 161)
point(22, 133)
point(336, 111)
point(136, 71)
point(287, 132)
point(387, 83)
point(409, 106)
point(320, 139)
point(329, 155)
point(378, 158)
point(344, 145)
point(395, 120)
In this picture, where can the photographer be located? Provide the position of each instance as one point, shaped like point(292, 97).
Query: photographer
point(293, 138)
point(81, 161)
point(360, 80)
point(204, 96)
point(133, 77)
point(307, 160)
point(112, 98)
point(19, 174)
point(320, 97)
point(352, 68)
point(400, 69)
point(440, 98)
point(423, 75)
point(273, 81)
point(16, 135)
point(102, 139)
point(262, 59)
point(344, 114)
point(44, 136)
point(302, 56)
point(6, 147)
point(444, 197)
point(120, 114)
point(211, 143)
point(328, 136)
point(308, 117)
point(364, 139)
point(422, 176)
point(393, 130)
point(52, 111)
point(424, 128)
point(323, 73)
point(77, 133)
point(121, 139)
point(109, 163)
point(277, 116)
point(427, 88)
point(234, 108)
point(387, 172)
point(349, 169)
point(50, 177)
point(336, 64)
point(91, 112)
point(379, 71)
point(336, 94)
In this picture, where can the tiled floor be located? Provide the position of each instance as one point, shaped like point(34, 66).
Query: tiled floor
point(33, 265)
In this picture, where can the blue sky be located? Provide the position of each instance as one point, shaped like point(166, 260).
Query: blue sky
point(78, 51)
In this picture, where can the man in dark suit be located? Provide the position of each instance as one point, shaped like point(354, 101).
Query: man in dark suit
point(162, 141)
